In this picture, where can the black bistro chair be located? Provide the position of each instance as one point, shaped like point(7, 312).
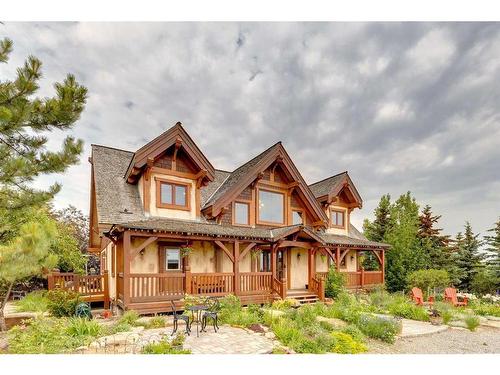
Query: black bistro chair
point(178, 317)
point(212, 312)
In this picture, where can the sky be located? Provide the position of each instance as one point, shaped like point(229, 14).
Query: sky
point(400, 106)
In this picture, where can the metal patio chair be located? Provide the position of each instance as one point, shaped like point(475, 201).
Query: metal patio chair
point(211, 313)
point(178, 317)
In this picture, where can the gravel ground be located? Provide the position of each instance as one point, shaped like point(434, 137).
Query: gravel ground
point(452, 341)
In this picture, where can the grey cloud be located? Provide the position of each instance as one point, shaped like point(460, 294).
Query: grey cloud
point(401, 106)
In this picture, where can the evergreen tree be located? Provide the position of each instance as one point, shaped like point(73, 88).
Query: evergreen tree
point(376, 230)
point(433, 244)
point(493, 249)
point(469, 259)
point(23, 119)
point(405, 254)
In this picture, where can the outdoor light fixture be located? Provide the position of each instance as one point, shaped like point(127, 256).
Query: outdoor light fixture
point(352, 258)
point(298, 256)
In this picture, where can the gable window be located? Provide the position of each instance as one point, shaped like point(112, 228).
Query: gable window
point(337, 218)
point(271, 207)
point(172, 259)
point(241, 213)
point(297, 217)
point(171, 194)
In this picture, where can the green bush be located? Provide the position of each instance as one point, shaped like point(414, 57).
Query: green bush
point(378, 327)
point(484, 282)
point(130, 317)
point(354, 331)
point(285, 304)
point(334, 284)
point(163, 347)
point(120, 327)
point(83, 327)
point(232, 313)
point(380, 299)
point(49, 335)
point(346, 344)
point(445, 310)
point(34, 301)
point(472, 322)
point(486, 309)
point(428, 279)
point(62, 302)
point(156, 322)
point(402, 307)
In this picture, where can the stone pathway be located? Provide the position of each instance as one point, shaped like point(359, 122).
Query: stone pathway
point(229, 340)
point(412, 328)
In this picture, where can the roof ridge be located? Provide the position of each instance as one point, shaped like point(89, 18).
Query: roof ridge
point(256, 156)
point(216, 190)
point(112, 148)
point(222, 170)
point(326, 178)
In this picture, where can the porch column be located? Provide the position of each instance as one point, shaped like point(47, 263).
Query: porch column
point(236, 267)
point(337, 258)
point(383, 266)
point(311, 266)
point(126, 268)
point(187, 276)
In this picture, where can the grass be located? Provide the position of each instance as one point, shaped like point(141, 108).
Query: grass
point(472, 322)
point(486, 309)
point(156, 322)
point(32, 302)
point(166, 347)
point(129, 317)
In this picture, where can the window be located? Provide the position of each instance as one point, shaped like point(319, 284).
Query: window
point(172, 259)
point(172, 195)
point(337, 218)
point(271, 206)
point(265, 261)
point(241, 213)
point(297, 217)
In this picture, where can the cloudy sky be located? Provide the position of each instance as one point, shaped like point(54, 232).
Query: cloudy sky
point(411, 106)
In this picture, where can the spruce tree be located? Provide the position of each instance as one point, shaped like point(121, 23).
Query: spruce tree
point(493, 249)
point(376, 230)
point(433, 244)
point(24, 119)
point(469, 259)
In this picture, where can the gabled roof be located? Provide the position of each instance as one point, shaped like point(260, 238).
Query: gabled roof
point(243, 176)
point(207, 191)
point(330, 187)
point(116, 200)
point(176, 135)
point(283, 232)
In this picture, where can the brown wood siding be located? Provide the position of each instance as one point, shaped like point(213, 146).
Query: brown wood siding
point(227, 217)
point(245, 195)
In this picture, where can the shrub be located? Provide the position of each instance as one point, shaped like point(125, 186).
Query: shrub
point(156, 322)
point(62, 302)
point(428, 279)
point(129, 317)
point(335, 283)
point(346, 344)
point(232, 313)
point(445, 310)
point(484, 282)
point(45, 335)
point(354, 331)
point(285, 304)
point(380, 299)
point(34, 301)
point(120, 327)
point(163, 347)
point(486, 309)
point(83, 327)
point(472, 322)
point(402, 307)
point(378, 327)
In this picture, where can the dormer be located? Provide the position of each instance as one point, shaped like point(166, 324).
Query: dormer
point(338, 196)
point(169, 172)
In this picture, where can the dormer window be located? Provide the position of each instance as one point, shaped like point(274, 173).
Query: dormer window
point(337, 219)
point(172, 194)
point(271, 207)
point(297, 217)
point(241, 213)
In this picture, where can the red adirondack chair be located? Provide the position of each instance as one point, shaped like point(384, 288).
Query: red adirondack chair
point(450, 295)
point(418, 297)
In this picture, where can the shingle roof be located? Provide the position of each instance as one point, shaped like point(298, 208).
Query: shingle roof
point(113, 194)
point(355, 238)
point(207, 191)
point(323, 187)
point(237, 174)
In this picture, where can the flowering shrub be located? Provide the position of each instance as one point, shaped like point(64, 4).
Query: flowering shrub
point(490, 298)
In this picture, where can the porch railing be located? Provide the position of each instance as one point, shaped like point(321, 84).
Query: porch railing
point(279, 287)
point(213, 284)
point(149, 287)
point(318, 287)
point(256, 283)
point(92, 288)
point(357, 279)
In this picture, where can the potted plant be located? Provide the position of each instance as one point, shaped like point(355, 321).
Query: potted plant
point(186, 250)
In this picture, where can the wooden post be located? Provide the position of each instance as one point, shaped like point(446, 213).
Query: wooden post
point(337, 258)
point(362, 276)
point(236, 267)
point(383, 266)
point(187, 276)
point(310, 258)
point(321, 292)
point(126, 268)
point(273, 261)
point(76, 282)
point(106, 289)
point(283, 279)
point(50, 281)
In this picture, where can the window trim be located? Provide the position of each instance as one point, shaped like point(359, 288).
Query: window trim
point(301, 211)
point(343, 212)
point(249, 205)
point(159, 204)
point(257, 204)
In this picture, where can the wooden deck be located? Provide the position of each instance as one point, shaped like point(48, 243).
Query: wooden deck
point(359, 280)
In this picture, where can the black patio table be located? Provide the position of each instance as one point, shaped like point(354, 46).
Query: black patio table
point(197, 309)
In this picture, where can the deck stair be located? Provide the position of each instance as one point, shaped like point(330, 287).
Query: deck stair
point(303, 296)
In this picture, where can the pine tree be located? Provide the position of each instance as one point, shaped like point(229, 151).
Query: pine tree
point(433, 244)
point(493, 249)
point(376, 231)
point(25, 256)
point(23, 119)
point(469, 259)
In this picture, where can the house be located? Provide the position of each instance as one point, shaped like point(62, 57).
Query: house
point(166, 223)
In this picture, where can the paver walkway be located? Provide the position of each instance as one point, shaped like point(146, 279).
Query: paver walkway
point(412, 328)
point(229, 340)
